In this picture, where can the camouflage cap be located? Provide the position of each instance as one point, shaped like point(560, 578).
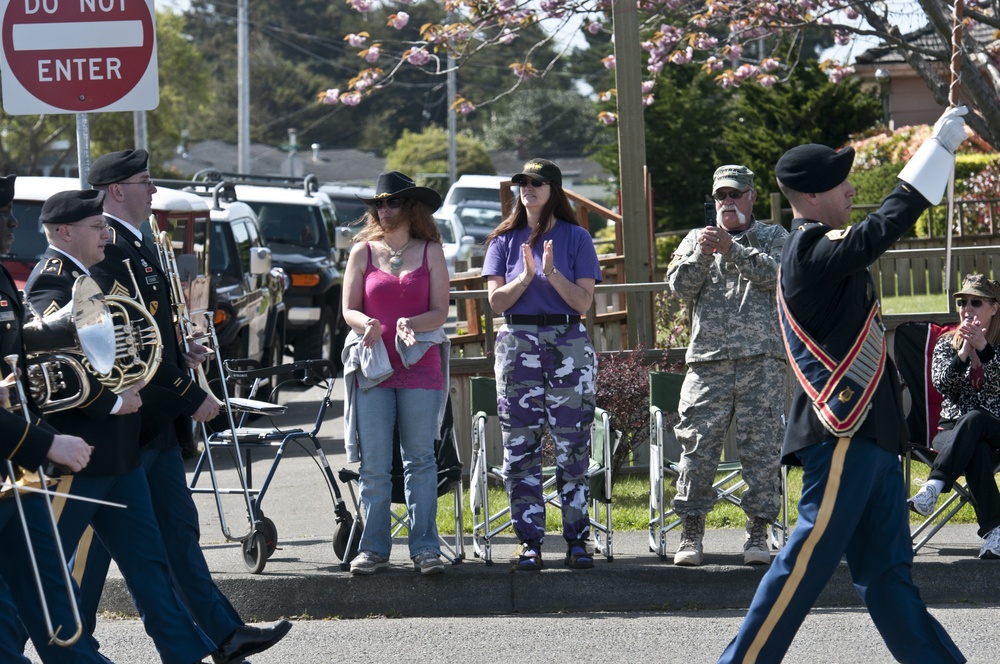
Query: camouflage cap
point(979, 285)
point(733, 176)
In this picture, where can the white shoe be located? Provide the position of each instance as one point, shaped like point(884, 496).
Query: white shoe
point(925, 500)
point(991, 545)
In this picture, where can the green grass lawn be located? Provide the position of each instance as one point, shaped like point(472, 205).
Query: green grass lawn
point(914, 304)
point(630, 506)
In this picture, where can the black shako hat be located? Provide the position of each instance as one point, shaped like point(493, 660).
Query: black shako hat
point(813, 168)
point(117, 167)
point(69, 207)
point(7, 190)
point(539, 170)
point(397, 185)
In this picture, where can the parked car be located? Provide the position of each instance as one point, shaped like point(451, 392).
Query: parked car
point(479, 218)
point(184, 216)
point(473, 188)
point(248, 291)
point(350, 210)
point(456, 243)
point(298, 224)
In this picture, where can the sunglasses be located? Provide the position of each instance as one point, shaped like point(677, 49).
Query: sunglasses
point(528, 182)
point(722, 195)
point(391, 203)
point(975, 303)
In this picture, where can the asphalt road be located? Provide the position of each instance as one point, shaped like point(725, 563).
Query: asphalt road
point(828, 636)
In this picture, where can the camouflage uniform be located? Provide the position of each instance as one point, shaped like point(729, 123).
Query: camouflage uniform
point(735, 367)
point(546, 377)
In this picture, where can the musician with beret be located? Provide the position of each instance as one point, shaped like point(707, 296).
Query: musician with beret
point(846, 426)
point(170, 401)
point(76, 231)
point(30, 446)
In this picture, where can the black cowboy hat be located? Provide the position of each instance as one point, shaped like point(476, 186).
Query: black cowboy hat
point(396, 185)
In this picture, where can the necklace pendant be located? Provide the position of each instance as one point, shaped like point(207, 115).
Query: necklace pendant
point(396, 262)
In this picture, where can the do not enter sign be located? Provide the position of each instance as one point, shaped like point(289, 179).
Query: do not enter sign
point(78, 56)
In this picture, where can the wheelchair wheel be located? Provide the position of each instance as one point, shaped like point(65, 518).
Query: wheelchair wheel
point(270, 532)
point(255, 552)
point(341, 533)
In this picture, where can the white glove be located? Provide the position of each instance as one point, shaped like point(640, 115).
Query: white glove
point(949, 130)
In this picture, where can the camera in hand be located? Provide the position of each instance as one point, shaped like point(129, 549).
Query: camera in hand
point(709, 213)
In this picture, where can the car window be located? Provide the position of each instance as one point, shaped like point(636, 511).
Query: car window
point(241, 233)
point(349, 210)
point(447, 234)
point(288, 224)
point(222, 260)
point(29, 238)
point(474, 194)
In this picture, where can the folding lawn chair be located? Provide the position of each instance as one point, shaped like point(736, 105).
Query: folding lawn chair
point(449, 472)
point(664, 460)
point(913, 351)
point(486, 524)
point(261, 538)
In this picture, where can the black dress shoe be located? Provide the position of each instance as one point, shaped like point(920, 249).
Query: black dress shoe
point(247, 640)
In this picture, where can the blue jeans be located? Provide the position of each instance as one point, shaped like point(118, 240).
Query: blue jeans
point(417, 413)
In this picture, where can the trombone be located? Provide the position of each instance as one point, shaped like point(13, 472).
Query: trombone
point(53, 631)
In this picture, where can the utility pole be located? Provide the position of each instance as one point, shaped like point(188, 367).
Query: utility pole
point(243, 88)
point(632, 161)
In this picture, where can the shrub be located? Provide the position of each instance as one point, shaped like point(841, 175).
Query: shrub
point(623, 391)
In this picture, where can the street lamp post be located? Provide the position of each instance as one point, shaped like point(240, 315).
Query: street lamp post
point(884, 80)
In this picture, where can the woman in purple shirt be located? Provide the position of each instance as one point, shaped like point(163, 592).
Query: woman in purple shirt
point(396, 289)
point(541, 268)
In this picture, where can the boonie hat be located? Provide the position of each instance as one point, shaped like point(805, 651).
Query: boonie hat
point(814, 168)
point(734, 177)
point(539, 170)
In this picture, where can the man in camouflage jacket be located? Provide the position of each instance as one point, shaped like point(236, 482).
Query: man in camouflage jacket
point(727, 272)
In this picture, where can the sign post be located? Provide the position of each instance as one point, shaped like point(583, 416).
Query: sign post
point(78, 56)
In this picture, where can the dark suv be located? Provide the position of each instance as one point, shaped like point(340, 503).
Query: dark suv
point(299, 226)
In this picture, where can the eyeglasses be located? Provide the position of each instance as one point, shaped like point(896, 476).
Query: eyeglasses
point(144, 183)
point(391, 203)
point(100, 228)
point(528, 182)
point(722, 195)
point(974, 303)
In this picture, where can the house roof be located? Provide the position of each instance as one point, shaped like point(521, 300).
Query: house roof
point(926, 38)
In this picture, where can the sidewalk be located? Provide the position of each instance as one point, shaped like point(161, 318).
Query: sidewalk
point(303, 576)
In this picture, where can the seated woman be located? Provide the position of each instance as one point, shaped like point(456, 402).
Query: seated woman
point(966, 371)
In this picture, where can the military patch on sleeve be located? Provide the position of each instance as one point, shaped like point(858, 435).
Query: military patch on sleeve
point(674, 261)
point(119, 290)
point(53, 266)
point(153, 306)
point(838, 233)
point(51, 309)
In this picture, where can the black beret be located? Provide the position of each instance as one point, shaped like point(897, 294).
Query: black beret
point(813, 169)
point(69, 207)
point(117, 167)
point(7, 190)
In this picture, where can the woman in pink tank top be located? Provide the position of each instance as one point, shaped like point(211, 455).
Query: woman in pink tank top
point(396, 286)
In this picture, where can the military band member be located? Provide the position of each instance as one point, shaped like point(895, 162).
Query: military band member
point(846, 426)
point(30, 446)
point(170, 401)
point(76, 231)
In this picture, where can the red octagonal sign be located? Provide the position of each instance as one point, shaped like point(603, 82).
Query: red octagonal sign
point(76, 56)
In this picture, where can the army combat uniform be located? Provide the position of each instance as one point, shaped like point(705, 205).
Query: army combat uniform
point(735, 367)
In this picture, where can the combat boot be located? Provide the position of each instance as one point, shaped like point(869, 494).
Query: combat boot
point(692, 532)
point(755, 549)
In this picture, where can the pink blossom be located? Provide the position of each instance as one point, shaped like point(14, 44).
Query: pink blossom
point(351, 99)
point(842, 37)
point(372, 54)
point(466, 107)
point(506, 5)
point(356, 40)
point(417, 56)
point(647, 100)
point(682, 57)
point(363, 6)
point(399, 20)
point(507, 36)
point(735, 52)
point(523, 70)
point(744, 72)
point(607, 118)
point(705, 43)
point(605, 96)
point(330, 97)
point(851, 13)
point(713, 64)
point(654, 66)
point(593, 27)
point(609, 62)
point(767, 81)
point(769, 64)
point(647, 86)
